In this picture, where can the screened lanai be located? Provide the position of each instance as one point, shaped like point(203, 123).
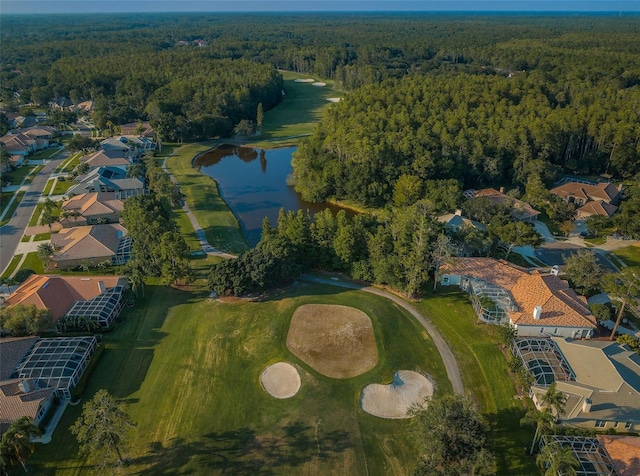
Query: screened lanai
point(59, 361)
point(543, 359)
point(592, 457)
point(491, 303)
point(103, 309)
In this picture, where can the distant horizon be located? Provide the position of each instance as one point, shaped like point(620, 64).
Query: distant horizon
point(67, 7)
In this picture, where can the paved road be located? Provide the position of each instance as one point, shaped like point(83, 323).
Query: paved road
point(554, 253)
point(11, 233)
point(448, 358)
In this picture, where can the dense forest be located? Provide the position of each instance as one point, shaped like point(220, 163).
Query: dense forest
point(134, 68)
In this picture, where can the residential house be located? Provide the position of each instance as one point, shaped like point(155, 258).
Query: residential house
point(535, 304)
point(108, 179)
point(85, 107)
point(600, 379)
point(201, 43)
point(20, 397)
point(106, 158)
point(22, 142)
point(455, 221)
point(63, 295)
point(93, 245)
point(131, 146)
point(624, 452)
point(131, 128)
point(590, 453)
point(521, 211)
point(91, 209)
point(592, 199)
point(62, 103)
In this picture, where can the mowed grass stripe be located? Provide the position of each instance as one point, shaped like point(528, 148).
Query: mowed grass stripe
point(188, 368)
point(484, 371)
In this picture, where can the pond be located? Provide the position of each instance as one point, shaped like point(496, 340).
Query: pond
point(253, 182)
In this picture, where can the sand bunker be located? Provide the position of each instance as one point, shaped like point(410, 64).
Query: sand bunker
point(337, 341)
point(333, 99)
point(394, 401)
point(319, 84)
point(280, 380)
point(308, 80)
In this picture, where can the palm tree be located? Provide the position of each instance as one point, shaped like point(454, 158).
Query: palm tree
point(555, 399)
point(16, 443)
point(556, 459)
point(543, 420)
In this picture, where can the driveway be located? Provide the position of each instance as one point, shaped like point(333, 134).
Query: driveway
point(555, 253)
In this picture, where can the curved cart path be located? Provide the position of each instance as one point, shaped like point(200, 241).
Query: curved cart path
point(448, 358)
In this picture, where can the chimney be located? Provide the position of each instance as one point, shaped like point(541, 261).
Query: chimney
point(537, 312)
point(458, 212)
point(101, 287)
point(501, 189)
point(586, 405)
point(23, 385)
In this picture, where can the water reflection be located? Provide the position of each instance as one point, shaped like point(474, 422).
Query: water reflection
point(254, 184)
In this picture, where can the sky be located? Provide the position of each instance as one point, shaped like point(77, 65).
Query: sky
point(120, 6)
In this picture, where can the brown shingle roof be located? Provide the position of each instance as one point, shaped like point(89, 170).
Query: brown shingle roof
point(561, 306)
point(12, 350)
point(58, 293)
point(106, 158)
point(601, 191)
point(15, 403)
point(521, 210)
point(94, 203)
point(625, 453)
point(597, 208)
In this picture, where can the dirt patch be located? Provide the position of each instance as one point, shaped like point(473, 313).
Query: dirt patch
point(280, 380)
point(337, 341)
point(394, 400)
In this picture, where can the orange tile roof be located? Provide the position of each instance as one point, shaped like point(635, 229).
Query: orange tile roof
point(624, 452)
point(561, 306)
point(87, 242)
point(58, 293)
point(94, 203)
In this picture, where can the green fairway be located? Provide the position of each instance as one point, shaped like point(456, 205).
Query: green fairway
point(300, 109)
point(188, 368)
point(484, 372)
point(214, 216)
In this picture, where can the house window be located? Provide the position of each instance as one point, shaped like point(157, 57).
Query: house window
point(555, 331)
point(627, 426)
point(601, 424)
point(615, 424)
point(445, 280)
point(542, 330)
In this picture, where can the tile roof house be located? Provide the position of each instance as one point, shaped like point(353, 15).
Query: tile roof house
point(20, 397)
point(85, 106)
point(106, 158)
point(593, 199)
point(624, 451)
point(533, 303)
point(603, 388)
point(93, 244)
point(18, 144)
point(92, 208)
point(108, 179)
point(59, 293)
point(521, 211)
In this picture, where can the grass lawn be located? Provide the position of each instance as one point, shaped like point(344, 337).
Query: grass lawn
point(188, 368)
point(42, 237)
point(300, 109)
point(485, 376)
point(630, 255)
point(12, 266)
point(595, 241)
point(48, 187)
point(69, 164)
point(214, 216)
point(186, 229)
point(33, 262)
point(62, 187)
point(10, 208)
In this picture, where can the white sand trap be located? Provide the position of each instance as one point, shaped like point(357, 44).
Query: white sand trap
point(333, 99)
point(319, 83)
point(308, 80)
point(280, 380)
point(394, 401)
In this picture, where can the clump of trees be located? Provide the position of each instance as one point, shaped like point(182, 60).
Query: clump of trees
point(103, 429)
point(21, 320)
point(449, 433)
point(16, 445)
